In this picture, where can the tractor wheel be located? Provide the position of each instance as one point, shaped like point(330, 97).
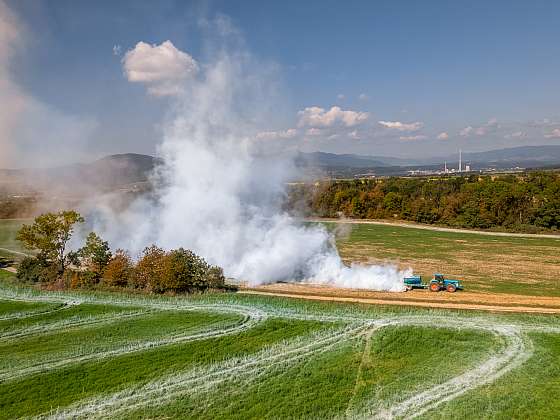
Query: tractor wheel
point(451, 288)
point(434, 287)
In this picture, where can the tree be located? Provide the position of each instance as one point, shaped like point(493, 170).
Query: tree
point(184, 271)
point(150, 268)
point(96, 253)
point(49, 234)
point(119, 270)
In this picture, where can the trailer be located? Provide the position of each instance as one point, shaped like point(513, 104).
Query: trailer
point(437, 283)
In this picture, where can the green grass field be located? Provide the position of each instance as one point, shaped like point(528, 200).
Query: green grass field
point(94, 354)
point(85, 354)
point(8, 231)
point(529, 266)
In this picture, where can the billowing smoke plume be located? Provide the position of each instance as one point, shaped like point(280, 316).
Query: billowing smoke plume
point(220, 189)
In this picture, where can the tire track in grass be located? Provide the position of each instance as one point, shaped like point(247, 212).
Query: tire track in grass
point(366, 357)
point(516, 349)
point(29, 314)
point(49, 327)
point(246, 323)
point(164, 390)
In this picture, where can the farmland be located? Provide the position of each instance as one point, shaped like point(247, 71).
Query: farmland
point(9, 247)
point(487, 263)
point(79, 354)
point(84, 354)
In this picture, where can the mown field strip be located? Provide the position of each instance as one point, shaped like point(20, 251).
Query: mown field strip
point(28, 314)
point(163, 390)
point(69, 323)
point(515, 350)
point(11, 374)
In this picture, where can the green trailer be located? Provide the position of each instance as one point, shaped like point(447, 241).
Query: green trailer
point(437, 283)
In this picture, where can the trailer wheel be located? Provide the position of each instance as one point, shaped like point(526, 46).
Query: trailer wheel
point(434, 287)
point(451, 288)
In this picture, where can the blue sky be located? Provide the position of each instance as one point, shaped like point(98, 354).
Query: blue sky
point(479, 75)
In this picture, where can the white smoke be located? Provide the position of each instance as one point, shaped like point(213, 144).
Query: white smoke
point(220, 189)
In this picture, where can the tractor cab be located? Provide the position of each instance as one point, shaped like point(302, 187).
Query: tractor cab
point(439, 282)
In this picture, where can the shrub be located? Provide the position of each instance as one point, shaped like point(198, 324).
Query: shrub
point(215, 277)
point(30, 270)
point(119, 270)
point(83, 279)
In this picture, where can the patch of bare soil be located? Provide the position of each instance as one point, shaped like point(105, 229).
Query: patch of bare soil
point(493, 302)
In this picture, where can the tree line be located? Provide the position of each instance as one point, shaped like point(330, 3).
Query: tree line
point(521, 202)
point(95, 265)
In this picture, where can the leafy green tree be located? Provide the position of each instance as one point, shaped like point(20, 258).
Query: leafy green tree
point(184, 272)
point(49, 234)
point(96, 253)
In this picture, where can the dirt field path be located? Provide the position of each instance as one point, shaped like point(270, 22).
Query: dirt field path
point(462, 300)
point(434, 228)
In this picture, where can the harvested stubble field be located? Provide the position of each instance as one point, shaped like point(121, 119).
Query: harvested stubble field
point(486, 263)
point(111, 355)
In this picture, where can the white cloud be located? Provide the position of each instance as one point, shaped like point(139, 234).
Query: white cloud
point(313, 132)
point(413, 138)
point(516, 135)
point(400, 126)
point(162, 68)
point(489, 127)
point(442, 136)
point(272, 135)
point(318, 117)
point(554, 134)
point(354, 135)
point(117, 49)
point(363, 97)
point(340, 96)
point(467, 131)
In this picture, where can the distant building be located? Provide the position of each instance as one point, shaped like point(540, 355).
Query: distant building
point(467, 168)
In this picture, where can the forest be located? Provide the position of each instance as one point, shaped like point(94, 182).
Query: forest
point(527, 202)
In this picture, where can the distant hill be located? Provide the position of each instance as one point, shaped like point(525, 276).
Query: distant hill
point(110, 172)
point(526, 156)
point(119, 171)
point(322, 159)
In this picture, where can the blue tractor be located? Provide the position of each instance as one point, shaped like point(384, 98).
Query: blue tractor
point(437, 283)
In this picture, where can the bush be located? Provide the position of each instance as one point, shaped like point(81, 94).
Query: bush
point(215, 277)
point(30, 270)
point(83, 279)
point(119, 270)
point(35, 270)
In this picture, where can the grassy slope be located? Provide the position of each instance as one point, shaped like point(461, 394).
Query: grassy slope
point(64, 386)
point(34, 350)
point(530, 392)
point(487, 263)
point(330, 384)
point(10, 308)
point(8, 230)
point(401, 359)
